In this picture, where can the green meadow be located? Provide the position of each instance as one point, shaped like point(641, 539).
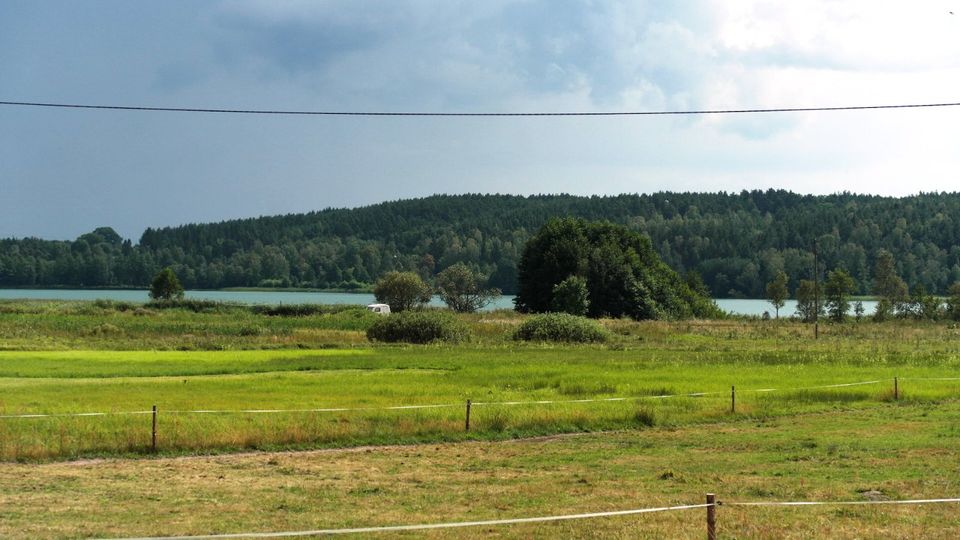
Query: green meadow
point(896, 451)
point(290, 419)
point(314, 381)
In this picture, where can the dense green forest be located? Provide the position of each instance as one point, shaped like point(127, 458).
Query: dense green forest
point(735, 241)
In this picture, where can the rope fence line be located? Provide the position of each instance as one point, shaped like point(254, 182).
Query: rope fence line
point(429, 526)
point(837, 503)
point(452, 405)
point(817, 387)
point(591, 400)
point(56, 415)
point(333, 409)
point(711, 506)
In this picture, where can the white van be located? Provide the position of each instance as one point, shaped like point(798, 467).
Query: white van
point(382, 309)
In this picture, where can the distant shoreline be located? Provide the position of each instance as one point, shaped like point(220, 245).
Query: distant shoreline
point(225, 289)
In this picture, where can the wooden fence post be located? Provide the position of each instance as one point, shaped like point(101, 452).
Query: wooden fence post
point(153, 434)
point(896, 389)
point(468, 416)
point(711, 516)
point(733, 400)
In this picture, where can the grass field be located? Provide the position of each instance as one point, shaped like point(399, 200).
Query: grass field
point(902, 451)
point(646, 361)
point(800, 440)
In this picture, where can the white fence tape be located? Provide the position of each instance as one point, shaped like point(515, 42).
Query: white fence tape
point(56, 415)
point(458, 524)
point(337, 409)
point(542, 519)
point(593, 400)
point(836, 503)
point(816, 387)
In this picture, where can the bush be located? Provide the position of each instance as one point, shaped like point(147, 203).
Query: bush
point(418, 327)
point(290, 310)
point(196, 306)
point(114, 305)
point(561, 327)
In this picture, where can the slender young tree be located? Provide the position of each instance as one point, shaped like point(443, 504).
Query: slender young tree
point(777, 291)
point(807, 305)
point(953, 302)
point(888, 287)
point(838, 288)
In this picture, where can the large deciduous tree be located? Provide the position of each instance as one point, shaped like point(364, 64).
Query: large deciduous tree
point(463, 290)
point(166, 286)
point(402, 290)
point(571, 296)
point(623, 274)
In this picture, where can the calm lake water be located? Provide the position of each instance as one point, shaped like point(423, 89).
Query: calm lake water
point(736, 306)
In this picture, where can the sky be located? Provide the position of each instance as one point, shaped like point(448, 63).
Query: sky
point(65, 172)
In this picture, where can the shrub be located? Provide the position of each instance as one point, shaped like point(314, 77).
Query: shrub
point(196, 306)
point(114, 305)
point(561, 327)
point(105, 329)
point(418, 327)
point(289, 310)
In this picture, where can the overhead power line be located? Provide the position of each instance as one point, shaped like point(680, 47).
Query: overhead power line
point(481, 114)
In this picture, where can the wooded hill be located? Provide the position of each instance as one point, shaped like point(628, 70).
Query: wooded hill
point(736, 241)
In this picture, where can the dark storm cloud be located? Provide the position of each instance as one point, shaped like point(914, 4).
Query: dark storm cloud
point(62, 172)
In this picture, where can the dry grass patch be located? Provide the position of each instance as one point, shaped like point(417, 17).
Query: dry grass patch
point(902, 452)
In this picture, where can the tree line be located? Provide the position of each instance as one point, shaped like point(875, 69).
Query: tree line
point(832, 296)
point(737, 242)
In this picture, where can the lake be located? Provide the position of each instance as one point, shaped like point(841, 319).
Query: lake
point(736, 306)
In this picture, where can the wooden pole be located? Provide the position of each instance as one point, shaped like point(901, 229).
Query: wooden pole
point(733, 400)
point(896, 389)
point(711, 517)
point(468, 416)
point(153, 434)
point(816, 294)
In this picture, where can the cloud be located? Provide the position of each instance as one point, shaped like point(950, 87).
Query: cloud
point(65, 172)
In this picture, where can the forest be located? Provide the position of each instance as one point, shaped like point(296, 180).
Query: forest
point(737, 242)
